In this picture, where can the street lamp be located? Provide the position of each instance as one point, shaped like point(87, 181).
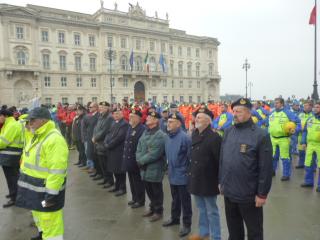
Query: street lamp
point(110, 55)
point(250, 84)
point(246, 66)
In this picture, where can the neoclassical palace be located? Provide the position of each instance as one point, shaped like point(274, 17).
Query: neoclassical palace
point(65, 56)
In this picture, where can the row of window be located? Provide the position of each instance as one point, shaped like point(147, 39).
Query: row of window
point(124, 64)
point(93, 82)
point(80, 100)
point(138, 43)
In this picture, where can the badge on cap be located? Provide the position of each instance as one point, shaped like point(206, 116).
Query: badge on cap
point(242, 101)
point(243, 148)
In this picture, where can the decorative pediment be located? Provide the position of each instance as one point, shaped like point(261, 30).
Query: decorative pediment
point(137, 11)
point(18, 11)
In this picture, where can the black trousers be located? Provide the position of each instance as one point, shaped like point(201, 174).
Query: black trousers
point(120, 181)
point(82, 153)
point(237, 213)
point(181, 198)
point(68, 135)
point(155, 193)
point(107, 175)
point(137, 187)
point(97, 164)
point(12, 175)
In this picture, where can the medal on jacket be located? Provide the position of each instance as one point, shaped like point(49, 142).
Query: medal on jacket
point(243, 148)
point(133, 133)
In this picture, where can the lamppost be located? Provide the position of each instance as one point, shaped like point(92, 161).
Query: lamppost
point(250, 84)
point(110, 55)
point(246, 66)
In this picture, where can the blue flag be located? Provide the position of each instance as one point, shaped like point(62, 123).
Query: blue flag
point(162, 62)
point(131, 60)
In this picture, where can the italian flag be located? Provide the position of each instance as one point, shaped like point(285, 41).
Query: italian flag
point(146, 62)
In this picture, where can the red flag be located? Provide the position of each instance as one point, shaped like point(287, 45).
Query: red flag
point(313, 16)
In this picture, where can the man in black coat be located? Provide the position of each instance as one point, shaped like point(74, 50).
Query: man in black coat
point(130, 164)
point(114, 143)
point(89, 123)
point(245, 173)
point(102, 128)
point(77, 135)
point(203, 181)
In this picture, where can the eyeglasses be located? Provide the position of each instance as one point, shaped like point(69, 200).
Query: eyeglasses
point(90, 107)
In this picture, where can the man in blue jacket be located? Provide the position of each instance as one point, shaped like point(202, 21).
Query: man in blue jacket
point(178, 148)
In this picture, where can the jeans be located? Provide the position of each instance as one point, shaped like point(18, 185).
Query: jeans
point(90, 163)
point(209, 218)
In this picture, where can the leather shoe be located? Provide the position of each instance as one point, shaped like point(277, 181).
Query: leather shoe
point(93, 175)
point(108, 185)
point(10, 203)
point(8, 196)
point(155, 217)
point(299, 167)
point(148, 214)
point(78, 163)
point(102, 183)
point(306, 185)
point(81, 165)
point(120, 193)
point(285, 178)
point(184, 231)
point(171, 222)
point(113, 190)
point(39, 237)
point(130, 203)
point(137, 205)
point(98, 177)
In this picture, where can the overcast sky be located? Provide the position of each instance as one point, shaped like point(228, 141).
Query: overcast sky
point(273, 34)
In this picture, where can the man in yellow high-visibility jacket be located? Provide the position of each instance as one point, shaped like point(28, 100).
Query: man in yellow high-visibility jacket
point(11, 145)
point(41, 186)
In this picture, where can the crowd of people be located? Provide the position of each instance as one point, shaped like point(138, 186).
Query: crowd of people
point(206, 149)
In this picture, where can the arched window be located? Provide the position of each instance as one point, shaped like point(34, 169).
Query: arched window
point(21, 54)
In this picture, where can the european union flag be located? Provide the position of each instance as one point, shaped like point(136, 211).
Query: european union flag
point(162, 62)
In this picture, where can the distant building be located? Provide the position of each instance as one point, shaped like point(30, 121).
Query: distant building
point(63, 56)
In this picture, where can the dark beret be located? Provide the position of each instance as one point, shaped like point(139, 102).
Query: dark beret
point(154, 114)
point(245, 102)
point(176, 116)
point(136, 112)
point(173, 105)
point(106, 104)
point(205, 110)
point(39, 113)
point(6, 112)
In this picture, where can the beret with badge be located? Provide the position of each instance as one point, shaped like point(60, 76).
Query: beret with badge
point(205, 110)
point(104, 103)
point(136, 112)
point(245, 102)
point(154, 114)
point(176, 116)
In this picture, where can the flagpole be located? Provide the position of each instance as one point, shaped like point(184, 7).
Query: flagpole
point(315, 95)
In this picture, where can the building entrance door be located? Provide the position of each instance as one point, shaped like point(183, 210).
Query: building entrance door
point(139, 92)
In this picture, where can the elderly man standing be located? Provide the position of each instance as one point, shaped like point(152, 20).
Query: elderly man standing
point(130, 165)
point(150, 158)
point(245, 173)
point(203, 182)
point(178, 149)
point(114, 143)
point(100, 131)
